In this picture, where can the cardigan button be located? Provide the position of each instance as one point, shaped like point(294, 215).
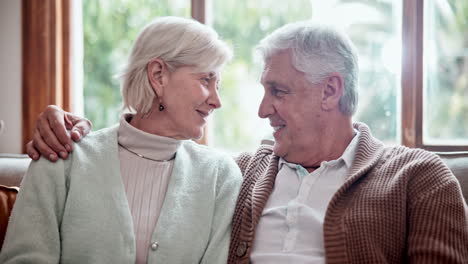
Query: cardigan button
point(241, 249)
point(154, 246)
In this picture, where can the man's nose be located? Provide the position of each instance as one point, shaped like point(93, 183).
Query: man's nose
point(266, 108)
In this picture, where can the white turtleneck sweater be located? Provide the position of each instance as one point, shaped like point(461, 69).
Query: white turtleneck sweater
point(145, 179)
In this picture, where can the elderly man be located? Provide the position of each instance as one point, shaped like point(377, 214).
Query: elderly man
point(326, 191)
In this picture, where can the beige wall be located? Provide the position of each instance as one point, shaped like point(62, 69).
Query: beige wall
point(10, 75)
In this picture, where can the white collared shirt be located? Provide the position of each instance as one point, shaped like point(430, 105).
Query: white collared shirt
point(290, 229)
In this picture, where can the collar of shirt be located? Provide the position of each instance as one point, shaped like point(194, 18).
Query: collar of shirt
point(347, 157)
point(139, 142)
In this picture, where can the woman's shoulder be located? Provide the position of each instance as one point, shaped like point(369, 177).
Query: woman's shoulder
point(96, 143)
point(98, 147)
point(100, 138)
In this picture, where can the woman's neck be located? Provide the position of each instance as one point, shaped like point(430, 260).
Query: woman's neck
point(154, 123)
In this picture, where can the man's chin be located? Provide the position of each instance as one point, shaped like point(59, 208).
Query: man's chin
point(278, 150)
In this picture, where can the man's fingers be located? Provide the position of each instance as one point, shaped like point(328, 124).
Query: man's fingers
point(31, 151)
point(42, 147)
point(81, 126)
point(56, 120)
point(49, 138)
point(75, 135)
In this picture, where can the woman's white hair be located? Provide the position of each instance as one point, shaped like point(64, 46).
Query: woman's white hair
point(318, 50)
point(176, 41)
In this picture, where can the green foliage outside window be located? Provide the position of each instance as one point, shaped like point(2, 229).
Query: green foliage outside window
point(446, 75)
point(243, 24)
point(110, 28)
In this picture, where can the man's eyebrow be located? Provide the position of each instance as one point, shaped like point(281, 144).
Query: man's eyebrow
point(276, 84)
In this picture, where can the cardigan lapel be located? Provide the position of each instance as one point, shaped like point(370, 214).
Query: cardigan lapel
point(116, 185)
point(112, 191)
point(369, 151)
point(262, 189)
point(176, 190)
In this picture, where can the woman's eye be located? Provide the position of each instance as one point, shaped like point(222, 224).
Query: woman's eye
point(206, 80)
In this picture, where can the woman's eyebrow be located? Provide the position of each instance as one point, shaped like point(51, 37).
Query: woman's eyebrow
point(212, 74)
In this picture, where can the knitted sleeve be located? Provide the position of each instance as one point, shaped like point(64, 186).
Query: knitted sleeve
point(33, 234)
point(438, 217)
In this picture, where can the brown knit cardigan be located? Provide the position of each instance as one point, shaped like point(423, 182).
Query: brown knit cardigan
point(397, 205)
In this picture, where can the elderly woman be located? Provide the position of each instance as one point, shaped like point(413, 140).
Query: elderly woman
point(139, 192)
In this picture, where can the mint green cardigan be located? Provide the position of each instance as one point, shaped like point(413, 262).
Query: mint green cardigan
point(76, 210)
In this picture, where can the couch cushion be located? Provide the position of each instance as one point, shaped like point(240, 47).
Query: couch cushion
point(458, 164)
point(7, 199)
point(12, 168)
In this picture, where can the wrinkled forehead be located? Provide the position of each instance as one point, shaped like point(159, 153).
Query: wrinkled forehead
point(266, 73)
point(279, 67)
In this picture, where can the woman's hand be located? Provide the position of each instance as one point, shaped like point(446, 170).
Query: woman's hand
point(51, 137)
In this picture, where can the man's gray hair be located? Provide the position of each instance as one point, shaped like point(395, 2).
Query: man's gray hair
point(318, 50)
point(176, 41)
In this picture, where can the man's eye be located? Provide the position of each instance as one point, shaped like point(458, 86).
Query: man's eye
point(277, 92)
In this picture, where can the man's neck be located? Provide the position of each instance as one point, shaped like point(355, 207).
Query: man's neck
point(334, 141)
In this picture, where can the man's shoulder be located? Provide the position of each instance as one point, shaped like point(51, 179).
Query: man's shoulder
point(408, 155)
point(412, 162)
point(265, 150)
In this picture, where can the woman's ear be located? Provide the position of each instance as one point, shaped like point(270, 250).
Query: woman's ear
point(157, 76)
point(333, 90)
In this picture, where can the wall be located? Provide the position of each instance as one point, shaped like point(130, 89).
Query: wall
point(10, 75)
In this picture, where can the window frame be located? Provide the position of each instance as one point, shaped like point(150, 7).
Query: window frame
point(46, 26)
point(199, 12)
point(412, 82)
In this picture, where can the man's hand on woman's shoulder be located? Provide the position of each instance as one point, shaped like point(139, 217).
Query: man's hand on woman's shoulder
point(55, 129)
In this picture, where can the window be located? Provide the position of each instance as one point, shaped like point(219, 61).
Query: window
point(431, 73)
point(376, 33)
point(392, 88)
point(445, 73)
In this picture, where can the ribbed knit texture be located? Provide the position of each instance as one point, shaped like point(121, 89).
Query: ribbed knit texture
point(145, 180)
point(397, 205)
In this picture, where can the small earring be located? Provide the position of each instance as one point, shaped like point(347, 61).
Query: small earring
point(161, 107)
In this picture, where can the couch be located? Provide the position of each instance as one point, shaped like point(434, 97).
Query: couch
point(13, 167)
